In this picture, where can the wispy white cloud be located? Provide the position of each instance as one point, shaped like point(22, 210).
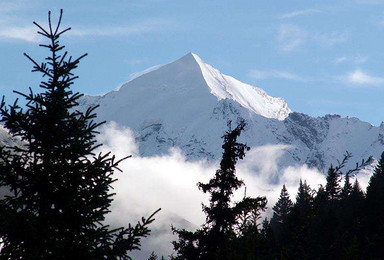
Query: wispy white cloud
point(299, 13)
point(331, 38)
point(12, 27)
point(290, 37)
point(359, 77)
point(353, 60)
point(360, 59)
point(340, 60)
point(267, 74)
point(28, 33)
point(23, 33)
point(128, 30)
point(140, 73)
point(6, 7)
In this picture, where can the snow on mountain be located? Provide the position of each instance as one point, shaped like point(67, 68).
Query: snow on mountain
point(252, 98)
point(187, 104)
point(5, 138)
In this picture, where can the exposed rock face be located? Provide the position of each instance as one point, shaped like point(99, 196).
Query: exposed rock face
point(187, 104)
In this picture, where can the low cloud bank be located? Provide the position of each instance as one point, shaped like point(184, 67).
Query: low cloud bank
point(169, 182)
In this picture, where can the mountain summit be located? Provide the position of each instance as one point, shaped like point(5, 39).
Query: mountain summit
point(187, 104)
point(226, 87)
point(190, 85)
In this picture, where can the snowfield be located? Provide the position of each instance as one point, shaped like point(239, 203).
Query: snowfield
point(187, 104)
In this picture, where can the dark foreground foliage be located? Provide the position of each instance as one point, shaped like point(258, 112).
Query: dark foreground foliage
point(58, 189)
point(230, 228)
point(338, 221)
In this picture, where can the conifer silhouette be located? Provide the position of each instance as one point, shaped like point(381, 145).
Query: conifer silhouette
point(59, 189)
point(217, 238)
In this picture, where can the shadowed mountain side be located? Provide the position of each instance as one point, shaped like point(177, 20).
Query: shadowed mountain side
point(187, 104)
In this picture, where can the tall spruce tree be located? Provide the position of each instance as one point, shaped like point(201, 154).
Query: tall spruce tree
point(59, 189)
point(332, 187)
point(298, 223)
point(375, 189)
point(357, 193)
point(335, 174)
point(282, 208)
point(347, 188)
point(304, 198)
point(281, 211)
point(217, 238)
point(374, 208)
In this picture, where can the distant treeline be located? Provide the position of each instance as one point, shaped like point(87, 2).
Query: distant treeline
point(338, 221)
point(335, 221)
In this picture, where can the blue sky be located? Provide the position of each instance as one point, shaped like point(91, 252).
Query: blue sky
point(323, 57)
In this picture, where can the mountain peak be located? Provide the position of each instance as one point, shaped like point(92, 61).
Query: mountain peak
point(253, 98)
point(190, 57)
point(187, 104)
point(189, 79)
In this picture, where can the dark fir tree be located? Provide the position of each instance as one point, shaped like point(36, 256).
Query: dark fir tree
point(304, 198)
point(357, 193)
point(375, 189)
point(328, 224)
point(350, 214)
point(347, 188)
point(217, 238)
point(335, 174)
point(265, 242)
point(59, 189)
point(374, 207)
point(282, 208)
point(281, 211)
point(298, 223)
point(332, 187)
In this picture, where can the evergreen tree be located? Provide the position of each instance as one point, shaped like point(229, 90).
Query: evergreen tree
point(265, 242)
point(282, 208)
point(59, 189)
point(298, 223)
point(325, 225)
point(319, 223)
point(347, 188)
point(350, 215)
point(357, 193)
point(304, 198)
point(375, 189)
point(281, 211)
point(374, 208)
point(335, 218)
point(217, 237)
point(333, 187)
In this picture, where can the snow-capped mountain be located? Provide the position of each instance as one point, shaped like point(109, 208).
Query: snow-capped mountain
point(187, 104)
point(5, 139)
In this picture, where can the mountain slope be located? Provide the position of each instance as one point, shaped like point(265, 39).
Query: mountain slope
point(187, 104)
point(252, 98)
